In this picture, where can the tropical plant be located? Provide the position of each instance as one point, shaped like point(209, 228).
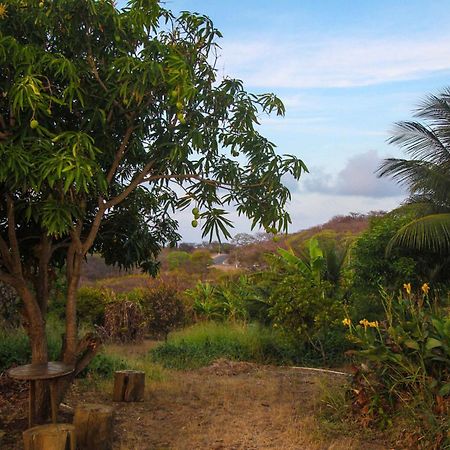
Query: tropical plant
point(313, 266)
point(426, 175)
point(109, 120)
point(406, 357)
point(205, 305)
point(301, 302)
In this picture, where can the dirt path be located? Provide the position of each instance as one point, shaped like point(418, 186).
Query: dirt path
point(225, 406)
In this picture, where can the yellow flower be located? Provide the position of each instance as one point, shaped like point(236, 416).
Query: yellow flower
point(347, 322)
point(364, 323)
point(407, 288)
point(425, 288)
point(374, 324)
point(3, 11)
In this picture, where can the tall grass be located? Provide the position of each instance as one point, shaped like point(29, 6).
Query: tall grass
point(202, 343)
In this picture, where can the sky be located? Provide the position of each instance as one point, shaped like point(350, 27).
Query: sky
point(346, 71)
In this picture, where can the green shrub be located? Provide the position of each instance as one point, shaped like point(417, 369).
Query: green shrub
point(91, 304)
point(163, 309)
point(104, 366)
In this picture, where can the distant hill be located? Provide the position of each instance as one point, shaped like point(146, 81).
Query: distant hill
point(339, 227)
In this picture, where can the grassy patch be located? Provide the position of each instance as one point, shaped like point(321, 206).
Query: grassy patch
point(202, 343)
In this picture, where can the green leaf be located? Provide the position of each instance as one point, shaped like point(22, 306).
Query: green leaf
point(412, 344)
point(433, 343)
point(445, 390)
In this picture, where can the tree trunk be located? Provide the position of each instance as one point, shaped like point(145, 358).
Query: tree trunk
point(129, 386)
point(50, 437)
point(94, 426)
point(35, 327)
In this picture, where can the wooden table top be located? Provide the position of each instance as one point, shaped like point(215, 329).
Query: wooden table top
point(40, 371)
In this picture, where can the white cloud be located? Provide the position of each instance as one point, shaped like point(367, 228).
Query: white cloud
point(357, 178)
point(309, 209)
point(333, 62)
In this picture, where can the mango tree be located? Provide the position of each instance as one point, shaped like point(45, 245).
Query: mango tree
point(110, 120)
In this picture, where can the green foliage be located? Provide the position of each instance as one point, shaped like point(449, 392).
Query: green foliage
point(301, 302)
point(104, 365)
point(407, 356)
point(91, 304)
point(372, 267)
point(163, 309)
point(204, 305)
point(369, 261)
point(177, 259)
point(203, 343)
point(426, 176)
point(232, 299)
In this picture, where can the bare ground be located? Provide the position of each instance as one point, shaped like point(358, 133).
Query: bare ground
point(226, 406)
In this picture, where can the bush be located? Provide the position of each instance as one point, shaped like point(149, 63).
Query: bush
point(163, 308)
point(406, 356)
point(91, 304)
point(104, 366)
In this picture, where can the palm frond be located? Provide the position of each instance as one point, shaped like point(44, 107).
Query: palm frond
point(429, 233)
point(421, 142)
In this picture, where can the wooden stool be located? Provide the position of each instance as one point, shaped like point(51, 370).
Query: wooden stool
point(129, 386)
point(56, 436)
point(94, 426)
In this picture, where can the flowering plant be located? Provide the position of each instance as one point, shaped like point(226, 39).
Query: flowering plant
point(405, 357)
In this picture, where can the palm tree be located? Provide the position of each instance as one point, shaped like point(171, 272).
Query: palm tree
point(426, 175)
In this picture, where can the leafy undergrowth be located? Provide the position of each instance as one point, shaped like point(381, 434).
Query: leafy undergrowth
point(203, 343)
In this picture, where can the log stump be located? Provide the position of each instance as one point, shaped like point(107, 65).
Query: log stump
point(94, 426)
point(129, 386)
point(56, 436)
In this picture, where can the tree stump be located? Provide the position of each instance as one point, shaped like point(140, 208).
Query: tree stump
point(129, 386)
point(56, 436)
point(94, 426)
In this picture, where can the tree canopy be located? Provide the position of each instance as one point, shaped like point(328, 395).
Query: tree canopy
point(119, 114)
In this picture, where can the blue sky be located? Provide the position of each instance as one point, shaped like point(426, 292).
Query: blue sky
point(346, 71)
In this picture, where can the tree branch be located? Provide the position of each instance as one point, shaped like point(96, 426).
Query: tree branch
point(91, 62)
point(140, 178)
point(102, 207)
point(8, 279)
point(4, 251)
point(119, 154)
point(13, 242)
